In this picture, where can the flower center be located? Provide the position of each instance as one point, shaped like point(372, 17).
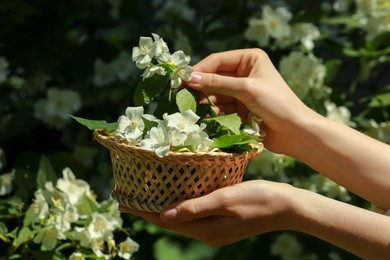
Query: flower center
point(181, 73)
point(144, 49)
point(133, 123)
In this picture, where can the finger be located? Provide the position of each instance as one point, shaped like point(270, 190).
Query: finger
point(193, 209)
point(195, 229)
point(217, 99)
point(218, 84)
point(227, 61)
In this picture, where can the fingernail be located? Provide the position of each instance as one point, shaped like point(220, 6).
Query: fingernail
point(170, 213)
point(195, 78)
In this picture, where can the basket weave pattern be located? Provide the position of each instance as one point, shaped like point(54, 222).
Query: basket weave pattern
point(144, 181)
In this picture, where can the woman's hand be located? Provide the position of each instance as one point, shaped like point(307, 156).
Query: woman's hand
point(228, 214)
point(252, 208)
point(246, 80)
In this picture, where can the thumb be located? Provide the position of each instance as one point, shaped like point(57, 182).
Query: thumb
point(188, 210)
point(217, 84)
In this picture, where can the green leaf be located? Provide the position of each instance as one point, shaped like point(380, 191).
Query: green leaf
point(89, 205)
point(30, 217)
point(96, 124)
point(332, 67)
point(148, 125)
point(3, 229)
point(226, 141)
point(231, 122)
point(187, 100)
point(24, 235)
point(382, 100)
point(150, 88)
point(379, 42)
point(45, 173)
point(165, 106)
point(235, 143)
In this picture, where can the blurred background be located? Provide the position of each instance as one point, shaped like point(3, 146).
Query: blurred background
point(61, 58)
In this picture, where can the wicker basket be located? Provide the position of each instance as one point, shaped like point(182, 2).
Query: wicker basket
point(144, 181)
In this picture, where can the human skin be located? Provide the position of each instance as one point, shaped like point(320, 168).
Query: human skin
point(355, 161)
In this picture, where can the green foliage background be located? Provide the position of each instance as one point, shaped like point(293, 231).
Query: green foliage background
point(56, 44)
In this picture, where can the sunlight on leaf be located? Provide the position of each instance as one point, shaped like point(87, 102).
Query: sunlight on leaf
point(187, 100)
point(231, 122)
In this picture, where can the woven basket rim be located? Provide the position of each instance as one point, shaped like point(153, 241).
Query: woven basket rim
point(101, 136)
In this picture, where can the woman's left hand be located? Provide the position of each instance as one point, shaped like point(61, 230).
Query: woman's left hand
point(228, 214)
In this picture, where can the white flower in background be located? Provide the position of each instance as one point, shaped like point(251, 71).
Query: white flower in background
point(257, 31)
point(81, 234)
point(74, 188)
point(380, 131)
point(104, 73)
point(6, 181)
point(269, 166)
point(365, 6)
point(3, 69)
point(287, 247)
point(321, 184)
point(101, 226)
point(303, 33)
point(68, 216)
point(277, 21)
point(48, 237)
point(339, 114)
point(342, 6)
point(158, 140)
point(119, 68)
point(131, 125)
point(374, 16)
point(39, 207)
point(16, 82)
point(57, 199)
point(274, 23)
point(127, 248)
point(54, 215)
point(378, 22)
point(56, 108)
point(76, 256)
point(144, 53)
point(98, 246)
point(302, 72)
point(122, 67)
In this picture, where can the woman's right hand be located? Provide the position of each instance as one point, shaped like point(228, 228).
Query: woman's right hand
point(246, 80)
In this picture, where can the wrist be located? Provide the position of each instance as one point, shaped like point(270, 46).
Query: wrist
point(309, 134)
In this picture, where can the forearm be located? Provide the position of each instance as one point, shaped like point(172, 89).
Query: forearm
point(352, 159)
point(361, 232)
